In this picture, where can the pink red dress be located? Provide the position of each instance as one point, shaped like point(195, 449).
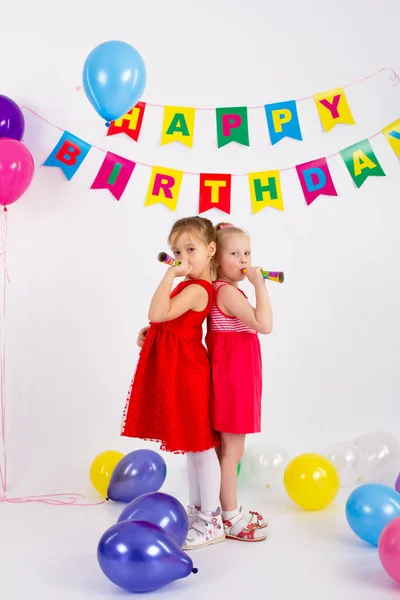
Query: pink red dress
point(236, 370)
point(169, 397)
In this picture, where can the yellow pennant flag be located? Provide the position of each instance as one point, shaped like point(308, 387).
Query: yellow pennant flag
point(265, 190)
point(392, 134)
point(178, 125)
point(333, 108)
point(164, 187)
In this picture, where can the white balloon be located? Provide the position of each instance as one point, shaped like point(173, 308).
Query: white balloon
point(264, 463)
point(347, 460)
point(380, 451)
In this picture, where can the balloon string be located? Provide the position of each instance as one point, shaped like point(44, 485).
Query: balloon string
point(5, 279)
point(52, 500)
point(394, 77)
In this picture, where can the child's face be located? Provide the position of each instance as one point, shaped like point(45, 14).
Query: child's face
point(187, 246)
point(233, 256)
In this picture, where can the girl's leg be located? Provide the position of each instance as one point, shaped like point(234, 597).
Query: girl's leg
point(209, 473)
point(232, 448)
point(193, 480)
point(237, 524)
point(207, 528)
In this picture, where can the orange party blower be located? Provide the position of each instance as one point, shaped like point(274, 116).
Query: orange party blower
point(168, 260)
point(277, 276)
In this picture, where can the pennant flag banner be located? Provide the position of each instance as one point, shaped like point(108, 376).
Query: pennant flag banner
point(215, 189)
point(361, 162)
point(131, 123)
point(68, 155)
point(333, 108)
point(215, 192)
point(265, 190)
point(232, 126)
point(392, 134)
point(315, 179)
point(164, 188)
point(114, 174)
point(178, 125)
point(283, 121)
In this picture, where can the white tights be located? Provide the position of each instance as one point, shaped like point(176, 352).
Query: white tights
point(204, 477)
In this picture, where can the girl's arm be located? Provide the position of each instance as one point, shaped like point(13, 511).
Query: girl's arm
point(232, 301)
point(163, 308)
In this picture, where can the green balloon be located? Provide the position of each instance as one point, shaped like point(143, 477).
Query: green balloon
point(239, 469)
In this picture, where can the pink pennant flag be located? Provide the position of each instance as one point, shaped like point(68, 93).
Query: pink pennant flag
point(114, 174)
point(315, 179)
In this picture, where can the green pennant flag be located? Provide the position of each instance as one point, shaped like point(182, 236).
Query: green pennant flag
point(361, 162)
point(232, 126)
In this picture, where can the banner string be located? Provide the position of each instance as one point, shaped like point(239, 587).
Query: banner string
point(149, 166)
point(394, 77)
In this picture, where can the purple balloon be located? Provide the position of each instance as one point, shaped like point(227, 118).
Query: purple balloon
point(162, 510)
point(139, 472)
point(398, 484)
point(141, 557)
point(12, 123)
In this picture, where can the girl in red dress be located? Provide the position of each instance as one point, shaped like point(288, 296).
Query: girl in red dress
point(169, 397)
point(234, 347)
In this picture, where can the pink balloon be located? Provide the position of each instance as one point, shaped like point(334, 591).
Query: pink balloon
point(389, 549)
point(16, 170)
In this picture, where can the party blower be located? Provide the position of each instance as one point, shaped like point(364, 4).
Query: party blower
point(277, 276)
point(168, 260)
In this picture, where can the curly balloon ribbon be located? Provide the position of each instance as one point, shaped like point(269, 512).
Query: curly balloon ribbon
point(52, 500)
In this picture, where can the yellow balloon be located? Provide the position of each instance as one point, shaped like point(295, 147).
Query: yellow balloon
point(102, 468)
point(311, 481)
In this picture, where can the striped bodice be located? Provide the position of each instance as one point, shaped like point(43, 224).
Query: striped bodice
point(219, 321)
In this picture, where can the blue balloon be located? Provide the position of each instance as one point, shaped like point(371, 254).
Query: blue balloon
point(139, 472)
point(114, 78)
point(370, 508)
point(141, 557)
point(162, 510)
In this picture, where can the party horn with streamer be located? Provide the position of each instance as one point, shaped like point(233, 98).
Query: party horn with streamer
point(277, 276)
point(168, 260)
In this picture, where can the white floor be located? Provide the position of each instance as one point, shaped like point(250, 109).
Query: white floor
point(49, 552)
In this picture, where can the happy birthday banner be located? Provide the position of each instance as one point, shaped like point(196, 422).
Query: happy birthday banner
point(215, 188)
point(232, 125)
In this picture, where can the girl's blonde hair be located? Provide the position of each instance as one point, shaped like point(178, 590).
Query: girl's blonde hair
point(224, 229)
point(200, 227)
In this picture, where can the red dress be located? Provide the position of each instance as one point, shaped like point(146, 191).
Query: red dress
point(236, 371)
point(169, 397)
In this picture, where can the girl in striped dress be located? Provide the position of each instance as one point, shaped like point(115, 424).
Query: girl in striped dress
point(234, 348)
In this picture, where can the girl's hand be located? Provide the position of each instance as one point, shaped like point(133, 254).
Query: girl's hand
point(181, 270)
point(142, 336)
point(254, 275)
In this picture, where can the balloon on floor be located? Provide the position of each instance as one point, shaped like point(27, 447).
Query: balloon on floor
point(139, 472)
point(102, 468)
point(141, 557)
point(389, 549)
point(311, 481)
point(162, 510)
point(370, 508)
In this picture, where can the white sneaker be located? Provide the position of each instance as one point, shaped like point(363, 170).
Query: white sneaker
point(207, 529)
point(192, 513)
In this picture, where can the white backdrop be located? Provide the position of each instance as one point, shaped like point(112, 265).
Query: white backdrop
point(83, 266)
